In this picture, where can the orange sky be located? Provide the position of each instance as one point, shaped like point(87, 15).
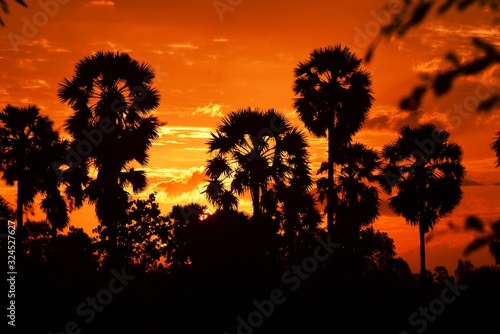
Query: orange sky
point(209, 63)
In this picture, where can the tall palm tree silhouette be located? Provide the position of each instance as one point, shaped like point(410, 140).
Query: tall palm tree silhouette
point(252, 149)
point(112, 97)
point(333, 99)
point(25, 135)
point(358, 200)
point(426, 171)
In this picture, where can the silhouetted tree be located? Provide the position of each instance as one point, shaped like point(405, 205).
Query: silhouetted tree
point(112, 96)
point(441, 275)
point(142, 235)
point(38, 243)
point(464, 268)
point(378, 253)
point(252, 150)
point(25, 136)
point(183, 227)
point(425, 169)
point(295, 218)
point(333, 100)
point(54, 202)
point(358, 200)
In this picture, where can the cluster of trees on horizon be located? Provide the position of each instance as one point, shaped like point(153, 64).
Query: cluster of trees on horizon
point(251, 151)
point(207, 272)
point(191, 257)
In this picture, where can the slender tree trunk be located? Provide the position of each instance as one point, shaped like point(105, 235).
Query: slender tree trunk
point(422, 252)
point(330, 196)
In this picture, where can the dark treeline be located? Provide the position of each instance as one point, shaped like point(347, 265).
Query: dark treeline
point(276, 270)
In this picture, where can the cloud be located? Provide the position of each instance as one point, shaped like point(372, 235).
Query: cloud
point(186, 132)
point(391, 118)
point(36, 84)
point(101, 3)
point(430, 66)
point(214, 110)
point(185, 46)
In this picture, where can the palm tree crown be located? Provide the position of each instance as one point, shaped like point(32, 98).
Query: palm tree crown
point(26, 138)
point(333, 100)
point(426, 171)
point(112, 97)
point(252, 149)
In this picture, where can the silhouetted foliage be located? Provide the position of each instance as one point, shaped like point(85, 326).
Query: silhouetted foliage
point(412, 14)
point(142, 236)
point(27, 141)
point(252, 150)
point(441, 275)
point(485, 237)
point(183, 224)
point(112, 96)
point(333, 97)
point(38, 246)
point(426, 170)
point(357, 197)
point(5, 8)
point(463, 269)
point(6, 211)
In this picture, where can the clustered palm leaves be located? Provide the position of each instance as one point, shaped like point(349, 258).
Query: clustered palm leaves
point(27, 144)
point(356, 194)
point(252, 151)
point(112, 91)
point(261, 153)
point(425, 170)
point(333, 99)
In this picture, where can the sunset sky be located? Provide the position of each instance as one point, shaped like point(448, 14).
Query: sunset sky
point(210, 61)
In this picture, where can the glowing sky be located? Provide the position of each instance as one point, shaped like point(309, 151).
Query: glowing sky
point(211, 61)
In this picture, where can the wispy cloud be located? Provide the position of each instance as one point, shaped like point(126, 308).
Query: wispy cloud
point(214, 110)
point(101, 3)
point(186, 131)
point(185, 46)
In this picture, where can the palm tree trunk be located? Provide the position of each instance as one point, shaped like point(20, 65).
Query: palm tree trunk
point(422, 252)
point(330, 196)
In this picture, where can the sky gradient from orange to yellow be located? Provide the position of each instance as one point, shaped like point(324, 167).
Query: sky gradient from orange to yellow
point(209, 63)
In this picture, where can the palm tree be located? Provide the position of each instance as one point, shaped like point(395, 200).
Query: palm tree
point(358, 199)
point(54, 204)
point(112, 96)
point(253, 149)
point(333, 99)
point(426, 171)
point(25, 135)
